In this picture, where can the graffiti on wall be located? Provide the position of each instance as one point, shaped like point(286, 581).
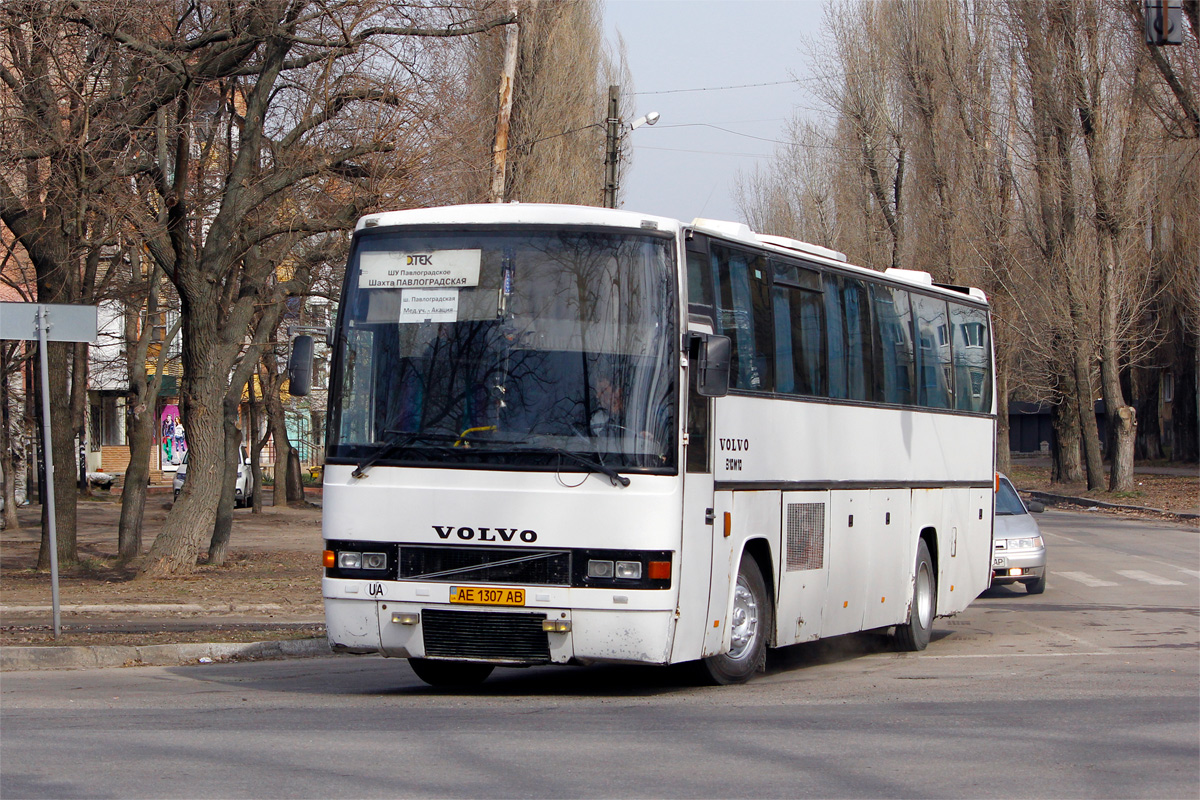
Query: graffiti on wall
point(172, 441)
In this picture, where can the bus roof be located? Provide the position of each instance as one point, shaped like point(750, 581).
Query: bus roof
point(517, 213)
point(558, 214)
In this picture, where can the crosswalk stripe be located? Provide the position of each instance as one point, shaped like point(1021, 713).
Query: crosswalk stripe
point(1148, 577)
point(1084, 578)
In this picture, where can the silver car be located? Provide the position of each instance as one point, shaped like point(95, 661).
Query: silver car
point(243, 486)
point(1018, 550)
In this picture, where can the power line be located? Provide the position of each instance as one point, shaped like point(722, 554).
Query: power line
point(719, 88)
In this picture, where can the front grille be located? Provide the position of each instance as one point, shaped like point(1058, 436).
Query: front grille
point(481, 636)
point(486, 565)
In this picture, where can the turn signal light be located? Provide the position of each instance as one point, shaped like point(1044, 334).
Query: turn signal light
point(329, 559)
point(658, 570)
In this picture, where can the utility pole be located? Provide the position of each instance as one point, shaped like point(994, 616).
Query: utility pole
point(611, 145)
point(507, 77)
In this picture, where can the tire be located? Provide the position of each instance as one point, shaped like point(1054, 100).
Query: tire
point(1036, 586)
point(751, 623)
point(914, 634)
point(450, 674)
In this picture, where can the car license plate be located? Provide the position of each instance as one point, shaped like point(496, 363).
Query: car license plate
point(999, 561)
point(487, 596)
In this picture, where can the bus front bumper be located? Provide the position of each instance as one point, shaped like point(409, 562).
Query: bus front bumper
point(505, 636)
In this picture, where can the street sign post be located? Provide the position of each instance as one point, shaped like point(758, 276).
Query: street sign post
point(49, 322)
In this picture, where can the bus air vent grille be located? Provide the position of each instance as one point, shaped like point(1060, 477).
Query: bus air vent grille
point(805, 536)
point(482, 636)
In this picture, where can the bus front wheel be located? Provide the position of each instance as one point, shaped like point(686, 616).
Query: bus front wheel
point(750, 626)
point(914, 634)
point(449, 674)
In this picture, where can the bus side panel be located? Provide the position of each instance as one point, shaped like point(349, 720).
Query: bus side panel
point(893, 557)
point(968, 571)
point(803, 572)
point(723, 574)
point(753, 515)
point(962, 520)
point(853, 527)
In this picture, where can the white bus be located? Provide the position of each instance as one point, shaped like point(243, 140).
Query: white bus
point(562, 435)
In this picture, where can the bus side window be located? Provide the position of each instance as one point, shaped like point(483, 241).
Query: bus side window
point(744, 315)
point(893, 333)
point(972, 358)
point(697, 422)
point(836, 337)
point(935, 380)
point(799, 331)
point(699, 275)
point(860, 351)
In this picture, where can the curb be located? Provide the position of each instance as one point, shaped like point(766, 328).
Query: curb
point(158, 655)
point(1088, 503)
point(166, 609)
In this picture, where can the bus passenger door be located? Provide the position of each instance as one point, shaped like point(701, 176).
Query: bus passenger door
point(803, 570)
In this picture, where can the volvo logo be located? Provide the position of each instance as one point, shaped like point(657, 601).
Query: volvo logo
point(485, 534)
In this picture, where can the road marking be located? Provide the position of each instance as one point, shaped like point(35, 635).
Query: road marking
point(1084, 578)
point(1016, 655)
point(1191, 572)
point(1148, 577)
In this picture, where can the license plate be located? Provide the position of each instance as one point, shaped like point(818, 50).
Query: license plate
point(999, 561)
point(487, 596)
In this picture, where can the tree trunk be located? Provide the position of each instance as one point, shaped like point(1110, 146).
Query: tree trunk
point(218, 546)
point(1003, 453)
point(256, 444)
point(140, 428)
point(1086, 409)
point(9, 457)
point(295, 479)
point(1066, 465)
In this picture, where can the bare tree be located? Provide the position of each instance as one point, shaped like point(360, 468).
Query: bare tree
point(316, 106)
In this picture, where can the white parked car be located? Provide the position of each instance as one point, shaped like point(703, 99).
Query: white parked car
point(243, 487)
point(1018, 550)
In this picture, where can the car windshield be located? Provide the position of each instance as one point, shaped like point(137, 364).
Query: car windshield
point(1007, 501)
point(529, 343)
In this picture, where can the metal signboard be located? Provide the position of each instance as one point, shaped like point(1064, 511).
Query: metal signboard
point(64, 323)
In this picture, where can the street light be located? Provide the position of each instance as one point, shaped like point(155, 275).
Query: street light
point(613, 142)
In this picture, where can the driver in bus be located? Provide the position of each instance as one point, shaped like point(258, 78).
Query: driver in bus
point(607, 418)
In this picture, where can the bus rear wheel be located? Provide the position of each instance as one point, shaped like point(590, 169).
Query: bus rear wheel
point(750, 626)
point(450, 674)
point(914, 634)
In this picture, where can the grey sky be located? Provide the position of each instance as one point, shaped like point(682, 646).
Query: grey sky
point(681, 167)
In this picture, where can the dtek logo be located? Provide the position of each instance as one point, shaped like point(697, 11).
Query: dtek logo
point(485, 534)
point(420, 259)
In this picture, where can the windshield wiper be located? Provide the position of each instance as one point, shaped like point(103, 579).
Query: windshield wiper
point(595, 466)
point(498, 446)
point(398, 441)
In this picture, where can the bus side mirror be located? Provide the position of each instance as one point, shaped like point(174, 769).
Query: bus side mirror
point(710, 357)
point(300, 366)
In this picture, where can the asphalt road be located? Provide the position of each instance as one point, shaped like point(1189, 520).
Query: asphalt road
point(1090, 690)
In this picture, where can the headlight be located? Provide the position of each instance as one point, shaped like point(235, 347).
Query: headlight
point(1028, 543)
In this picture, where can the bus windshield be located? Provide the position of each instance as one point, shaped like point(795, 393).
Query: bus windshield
point(536, 348)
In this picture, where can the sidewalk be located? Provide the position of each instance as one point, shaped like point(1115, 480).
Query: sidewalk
point(265, 602)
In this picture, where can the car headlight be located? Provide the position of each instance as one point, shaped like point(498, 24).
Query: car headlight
point(1026, 543)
